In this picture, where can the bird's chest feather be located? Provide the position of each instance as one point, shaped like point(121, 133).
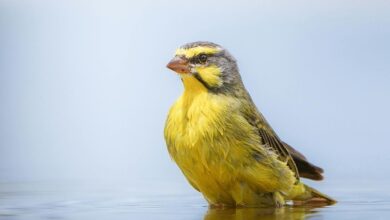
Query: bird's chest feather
point(196, 123)
point(198, 131)
point(210, 141)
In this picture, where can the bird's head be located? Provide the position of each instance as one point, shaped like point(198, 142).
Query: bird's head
point(205, 66)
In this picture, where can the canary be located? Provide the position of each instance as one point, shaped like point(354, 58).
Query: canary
point(223, 144)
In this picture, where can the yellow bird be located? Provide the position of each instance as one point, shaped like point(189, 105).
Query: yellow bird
point(222, 143)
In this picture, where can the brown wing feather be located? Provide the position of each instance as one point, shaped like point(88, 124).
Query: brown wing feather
point(305, 168)
point(271, 140)
point(295, 160)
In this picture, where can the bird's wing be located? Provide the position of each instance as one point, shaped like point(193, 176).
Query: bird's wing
point(294, 159)
point(272, 141)
point(305, 168)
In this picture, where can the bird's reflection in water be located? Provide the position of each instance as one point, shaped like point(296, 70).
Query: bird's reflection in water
point(288, 212)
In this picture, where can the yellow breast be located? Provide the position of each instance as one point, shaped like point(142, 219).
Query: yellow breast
point(194, 125)
point(199, 134)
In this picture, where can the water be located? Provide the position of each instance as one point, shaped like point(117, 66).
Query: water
point(91, 201)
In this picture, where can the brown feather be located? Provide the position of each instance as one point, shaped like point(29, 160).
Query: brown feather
point(268, 136)
point(305, 168)
point(295, 160)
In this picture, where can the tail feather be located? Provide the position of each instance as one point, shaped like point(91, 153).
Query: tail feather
point(318, 196)
point(307, 195)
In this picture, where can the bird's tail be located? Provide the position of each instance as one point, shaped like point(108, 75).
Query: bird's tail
point(304, 194)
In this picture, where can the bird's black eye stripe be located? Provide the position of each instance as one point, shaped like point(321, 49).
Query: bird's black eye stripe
point(199, 59)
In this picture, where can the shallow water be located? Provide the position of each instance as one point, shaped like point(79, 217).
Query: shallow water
point(87, 201)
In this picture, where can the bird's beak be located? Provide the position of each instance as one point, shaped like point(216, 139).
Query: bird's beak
point(179, 65)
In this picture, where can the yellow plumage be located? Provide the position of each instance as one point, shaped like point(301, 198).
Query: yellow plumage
point(219, 151)
point(211, 143)
point(196, 50)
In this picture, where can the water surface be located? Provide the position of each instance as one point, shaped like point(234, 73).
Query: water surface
point(89, 201)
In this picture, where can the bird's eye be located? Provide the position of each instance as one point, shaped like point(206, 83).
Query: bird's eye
point(202, 58)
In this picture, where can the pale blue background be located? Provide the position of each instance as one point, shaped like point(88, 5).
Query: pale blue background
point(84, 91)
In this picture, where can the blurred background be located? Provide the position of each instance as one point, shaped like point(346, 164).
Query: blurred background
point(84, 91)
